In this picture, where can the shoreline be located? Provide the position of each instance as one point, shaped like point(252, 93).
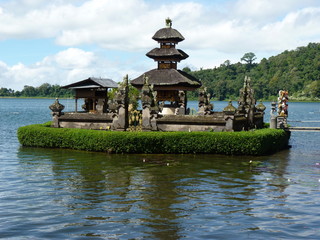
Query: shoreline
point(190, 99)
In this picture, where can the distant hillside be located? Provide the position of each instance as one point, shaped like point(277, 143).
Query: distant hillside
point(297, 71)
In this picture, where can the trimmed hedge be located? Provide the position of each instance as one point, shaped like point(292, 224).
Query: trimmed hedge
point(258, 142)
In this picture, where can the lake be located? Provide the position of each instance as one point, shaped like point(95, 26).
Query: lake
point(66, 194)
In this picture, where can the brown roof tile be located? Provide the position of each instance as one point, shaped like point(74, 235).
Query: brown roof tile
point(168, 77)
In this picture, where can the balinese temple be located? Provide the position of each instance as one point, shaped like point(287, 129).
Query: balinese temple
point(169, 82)
point(94, 91)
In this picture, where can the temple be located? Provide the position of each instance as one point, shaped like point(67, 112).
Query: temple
point(163, 96)
point(169, 83)
point(96, 112)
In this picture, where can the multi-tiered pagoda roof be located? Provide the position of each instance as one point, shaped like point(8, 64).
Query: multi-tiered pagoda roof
point(166, 77)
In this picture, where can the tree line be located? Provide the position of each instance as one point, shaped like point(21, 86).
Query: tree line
point(297, 71)
point(45, 90)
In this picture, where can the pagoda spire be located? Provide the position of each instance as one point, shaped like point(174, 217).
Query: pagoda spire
point(166, 78)
point(167, 55)
point(168, 23)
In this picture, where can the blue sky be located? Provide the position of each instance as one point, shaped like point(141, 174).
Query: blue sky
point(60, 41)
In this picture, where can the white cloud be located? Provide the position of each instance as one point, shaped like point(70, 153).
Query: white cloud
point(72, 58)
point(213, 34)
point(62, 68)
point(128, 25)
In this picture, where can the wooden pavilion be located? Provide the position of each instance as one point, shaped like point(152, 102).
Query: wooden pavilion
point(169, 82)
point(94, 91)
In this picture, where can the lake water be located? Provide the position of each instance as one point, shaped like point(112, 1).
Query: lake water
point(65, 194)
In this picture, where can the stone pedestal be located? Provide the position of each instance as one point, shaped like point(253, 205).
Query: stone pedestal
point(273, 122)
point(56, 109)
point(282, 122)
point(229, 123)
point(122, 119)
point(146, 119)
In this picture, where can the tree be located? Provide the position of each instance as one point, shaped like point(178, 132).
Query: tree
point(186, 69)
point(29, 91)
point(249, 58)
point(44, 89)
point(226, 63)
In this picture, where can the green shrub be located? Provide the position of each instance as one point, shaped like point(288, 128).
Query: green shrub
point(258, 142)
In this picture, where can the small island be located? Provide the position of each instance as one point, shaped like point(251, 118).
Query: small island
point(165, 124)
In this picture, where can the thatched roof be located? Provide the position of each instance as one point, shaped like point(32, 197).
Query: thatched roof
point(168, 77)
point(93, 83)
point(159, 53)
point(168, 34)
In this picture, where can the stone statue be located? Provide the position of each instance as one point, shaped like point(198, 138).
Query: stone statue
point(282, 103)
point(121, 120)
point(205, 107)
point(147, 97)
point(56, 108)
point(150, 108)
point(246, 102)
point(282, 109)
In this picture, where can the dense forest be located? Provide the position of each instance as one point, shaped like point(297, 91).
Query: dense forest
point(297, 71)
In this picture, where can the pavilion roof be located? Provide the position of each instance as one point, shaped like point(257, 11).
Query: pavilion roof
point(168, 77)
point(168, 34)
point(93, 82)
point(158, 53)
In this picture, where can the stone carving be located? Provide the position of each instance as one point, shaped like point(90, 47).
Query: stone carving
point(121, 120)
point(283, 103)
point(229, 113)
point(147, 95)
point(135, 121)
point(100, 105)
point(282, 109)
point(56, 108)
point(182, 103)
point(246, 102)
point(150, 108)
point(260, 107)
point(182, 99)
point(230, 109)
point(121, 97)
point(205, 107)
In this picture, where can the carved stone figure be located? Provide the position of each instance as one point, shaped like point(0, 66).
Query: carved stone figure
point(282, 109)
point(150, 108)
point(246, 102)
point(205, 107)
point(282, 103)
point(122, 101)
point(56, 108)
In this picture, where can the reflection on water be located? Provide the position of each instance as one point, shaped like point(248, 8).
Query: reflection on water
point(154, 196)
point(64, 194)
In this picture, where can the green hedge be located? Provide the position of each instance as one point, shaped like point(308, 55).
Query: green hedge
point(258, 142)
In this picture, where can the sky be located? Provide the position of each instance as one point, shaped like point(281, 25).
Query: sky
point(64, 41)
